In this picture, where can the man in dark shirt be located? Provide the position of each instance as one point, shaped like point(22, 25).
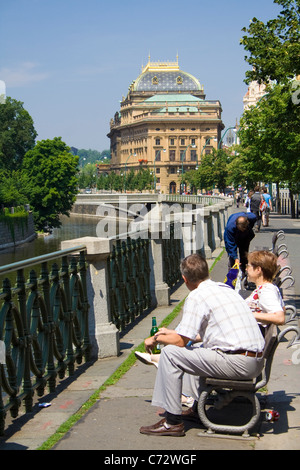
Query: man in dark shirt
point(254, 206)
point(237, 236)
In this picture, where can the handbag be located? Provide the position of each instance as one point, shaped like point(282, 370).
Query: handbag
point(263, 205)
point(232, 275)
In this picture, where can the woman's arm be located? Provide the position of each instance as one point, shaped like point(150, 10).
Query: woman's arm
point(278, 318)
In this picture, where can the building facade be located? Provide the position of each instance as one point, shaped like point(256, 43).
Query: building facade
point(164, 124)
point(254, 93)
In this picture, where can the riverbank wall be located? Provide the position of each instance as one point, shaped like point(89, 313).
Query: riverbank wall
point(18, 234)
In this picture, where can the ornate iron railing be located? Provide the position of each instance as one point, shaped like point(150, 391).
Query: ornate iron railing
point(129, 280)
point(172, 254)
point(44, 326)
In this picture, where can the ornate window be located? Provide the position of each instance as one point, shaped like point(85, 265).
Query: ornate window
point(179, 80)
point(155, 80)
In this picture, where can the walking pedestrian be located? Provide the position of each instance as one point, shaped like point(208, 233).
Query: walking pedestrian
point(254, 207)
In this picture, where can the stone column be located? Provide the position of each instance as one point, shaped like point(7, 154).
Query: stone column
point(215, 215)
point(104, 335)
point(206, 248)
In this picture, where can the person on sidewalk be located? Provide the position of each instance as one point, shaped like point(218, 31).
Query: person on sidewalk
point(265, 301)
point(231, 348)
point(266, 214)
point(254, 206)
point(237, 237)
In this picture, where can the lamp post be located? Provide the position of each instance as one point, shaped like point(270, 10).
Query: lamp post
point(156, 155)
point(134, 154)
point(182, 159)
point(221, 140)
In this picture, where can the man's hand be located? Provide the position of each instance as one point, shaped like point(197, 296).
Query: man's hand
point(150, 343)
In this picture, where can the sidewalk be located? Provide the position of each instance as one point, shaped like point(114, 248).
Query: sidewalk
point(113, 422)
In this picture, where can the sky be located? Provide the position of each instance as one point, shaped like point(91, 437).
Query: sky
point(71, 61)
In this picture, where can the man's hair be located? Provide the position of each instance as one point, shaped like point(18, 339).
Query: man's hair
point(242, 223)
point(194, 268)
point(257, 188)
point(267, 261)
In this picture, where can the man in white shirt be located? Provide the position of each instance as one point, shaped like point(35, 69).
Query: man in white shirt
point(232, 344)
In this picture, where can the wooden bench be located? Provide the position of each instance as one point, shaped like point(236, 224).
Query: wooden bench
point(228, 390)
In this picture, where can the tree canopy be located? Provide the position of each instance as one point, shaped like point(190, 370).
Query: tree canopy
point(273, 47)
point(17, 134)
point(52, 170)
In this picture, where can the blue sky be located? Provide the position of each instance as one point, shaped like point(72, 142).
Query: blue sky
point(71, 61)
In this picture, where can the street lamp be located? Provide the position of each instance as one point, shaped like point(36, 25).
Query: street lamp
point(134, 154)
point(221, 140)
point(182, 159)
point(156, 155)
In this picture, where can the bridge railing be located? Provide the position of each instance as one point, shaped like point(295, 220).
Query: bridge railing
point(43, 326)
point(133, 271)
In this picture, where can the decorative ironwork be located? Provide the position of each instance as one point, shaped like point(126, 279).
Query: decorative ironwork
point(129, 280)
point(44, 326)
point(172, 255)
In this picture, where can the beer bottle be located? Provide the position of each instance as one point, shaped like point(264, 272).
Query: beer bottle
point(154, 329)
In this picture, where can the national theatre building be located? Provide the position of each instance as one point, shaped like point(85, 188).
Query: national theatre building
point(164, 124)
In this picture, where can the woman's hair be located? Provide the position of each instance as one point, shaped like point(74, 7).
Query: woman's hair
point(194, 268)
point(267, 261)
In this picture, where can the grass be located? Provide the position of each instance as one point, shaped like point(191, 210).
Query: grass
point(113, 379)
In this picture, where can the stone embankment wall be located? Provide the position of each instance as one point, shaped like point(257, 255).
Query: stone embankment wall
point(20, 234)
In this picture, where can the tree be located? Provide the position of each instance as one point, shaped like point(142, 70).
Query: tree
point(14, 188)
point(52, 169)
point(270, 139)
point(274, 47)
point(17, 134)
point(212, 171)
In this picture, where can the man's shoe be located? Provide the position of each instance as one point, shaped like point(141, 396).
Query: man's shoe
point(145, 358)
point(163, 429)
point(190, 415)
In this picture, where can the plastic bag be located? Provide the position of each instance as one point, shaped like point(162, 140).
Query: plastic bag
point(232, 275)
point(238, 282)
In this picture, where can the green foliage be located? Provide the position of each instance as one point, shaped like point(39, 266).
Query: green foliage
point(270, 139)
point(274, 47)
point(17, 134)
point(15, 186)
point(92, 156)
point(212, 171)
point(52, 171)
point(18, 218)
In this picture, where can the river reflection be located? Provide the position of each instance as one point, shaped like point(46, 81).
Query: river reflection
point(72, 227)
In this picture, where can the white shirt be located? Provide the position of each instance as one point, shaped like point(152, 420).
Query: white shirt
point(266, 298)
point(221, 317)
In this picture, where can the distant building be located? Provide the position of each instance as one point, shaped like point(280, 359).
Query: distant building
point(164, 124)
point(254, 93)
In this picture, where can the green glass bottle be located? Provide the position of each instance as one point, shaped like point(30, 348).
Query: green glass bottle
point(154, 329)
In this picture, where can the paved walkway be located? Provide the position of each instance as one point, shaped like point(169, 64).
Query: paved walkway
point(113, 422)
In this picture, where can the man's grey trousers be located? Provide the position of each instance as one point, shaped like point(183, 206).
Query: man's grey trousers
point(176, 364)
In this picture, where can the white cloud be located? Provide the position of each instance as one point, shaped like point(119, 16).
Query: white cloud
point(23, 74)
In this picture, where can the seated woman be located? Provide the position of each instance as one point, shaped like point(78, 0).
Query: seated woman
point(265, 301)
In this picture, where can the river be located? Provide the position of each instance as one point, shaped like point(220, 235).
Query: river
point(72, 227)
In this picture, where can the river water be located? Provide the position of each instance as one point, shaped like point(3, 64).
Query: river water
point(75, 226)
